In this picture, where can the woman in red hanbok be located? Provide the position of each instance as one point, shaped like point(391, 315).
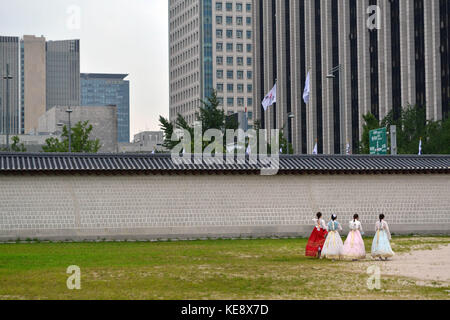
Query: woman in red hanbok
point(317, 238)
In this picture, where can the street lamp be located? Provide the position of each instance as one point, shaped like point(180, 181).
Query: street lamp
point(290, 116)
point(331, 75)
point(7, 78)
point(69, 111)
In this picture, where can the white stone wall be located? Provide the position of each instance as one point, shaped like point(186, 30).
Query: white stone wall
point(189, 206)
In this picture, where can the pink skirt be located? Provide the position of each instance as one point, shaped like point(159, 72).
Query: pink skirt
point(354, 248)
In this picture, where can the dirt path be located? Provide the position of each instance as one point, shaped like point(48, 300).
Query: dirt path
point(425, 265)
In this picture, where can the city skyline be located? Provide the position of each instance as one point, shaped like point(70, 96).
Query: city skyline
point(107, 44)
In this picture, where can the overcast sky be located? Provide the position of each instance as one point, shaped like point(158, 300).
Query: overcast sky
point(117, 36)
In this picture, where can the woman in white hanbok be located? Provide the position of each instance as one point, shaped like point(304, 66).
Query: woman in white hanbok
point(381, 247)
point(332, 249)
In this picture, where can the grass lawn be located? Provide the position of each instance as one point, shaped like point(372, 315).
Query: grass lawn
point(216, 269)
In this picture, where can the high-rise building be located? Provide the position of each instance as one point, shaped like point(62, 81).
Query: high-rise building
point(404, 61)
point(33, 82)
point(63, 73)
point(9, 112)
point(99, 89)
point(210, 47)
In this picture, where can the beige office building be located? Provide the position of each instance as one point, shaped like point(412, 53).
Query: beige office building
point(34, 81)
point(406, 60)
point(211, 47)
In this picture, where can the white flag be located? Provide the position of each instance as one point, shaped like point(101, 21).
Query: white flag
point(420, 147)
point(271, 98)
point(315, 149)
point(307, 89)
point(249, 149)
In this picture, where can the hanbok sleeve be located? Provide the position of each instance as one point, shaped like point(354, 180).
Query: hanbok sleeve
point(388, 231)
point(324, 226)
point(361, 228)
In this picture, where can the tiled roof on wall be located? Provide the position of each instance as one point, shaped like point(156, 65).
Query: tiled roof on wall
point(127, 163)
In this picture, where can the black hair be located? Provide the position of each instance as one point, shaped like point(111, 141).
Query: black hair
point(381, 217)
point(356, 216)
point(333, 217)
point(319, 215)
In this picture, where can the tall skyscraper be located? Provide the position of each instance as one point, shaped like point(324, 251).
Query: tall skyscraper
point(9, 112)
point(63, 73)
point(99, 89)
point(210, 47)
point(405, 61)
point(33, 82)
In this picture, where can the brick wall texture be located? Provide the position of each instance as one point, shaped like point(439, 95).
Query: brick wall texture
point(78, 207)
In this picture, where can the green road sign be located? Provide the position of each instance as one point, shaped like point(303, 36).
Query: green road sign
point(378, 141)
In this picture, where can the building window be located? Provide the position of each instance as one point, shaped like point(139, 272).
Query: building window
point(240, 88)
point(220, 99)
point(218, 6)
point(240, 61)
point(230, 87)
point(239, 7)
point(230, 102)
point(249, 48)
point(240, 102)
point(229, 34)
point(249, 61)
point(229, 47)
point(249, 34)
point(249, 75)
point(240, 75)
point(230, 61)
point(249, 88)
point(239, 47)
point(229, 20)
point(249, 7)
point(219, 60)
point(219, 46)
point(250, 115)
point(219, 19)
point(249, 102)
point(230, 74)
point(239, 21)
point(219, 33)
point(219, 74)
point(220, 87)
point(239, 34)
point(249, 21)
point(229, 6)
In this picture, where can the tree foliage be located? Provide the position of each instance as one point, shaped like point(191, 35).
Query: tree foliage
point(16, 146)
point(412, 126)
point(80, 142)
point(210, 116)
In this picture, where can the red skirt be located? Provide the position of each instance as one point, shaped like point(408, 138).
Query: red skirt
point(316, 241)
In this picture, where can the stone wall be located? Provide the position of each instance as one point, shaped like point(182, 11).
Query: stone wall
point(78, 207)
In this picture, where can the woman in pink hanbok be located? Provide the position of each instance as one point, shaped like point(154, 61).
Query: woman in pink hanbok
point(354, 248)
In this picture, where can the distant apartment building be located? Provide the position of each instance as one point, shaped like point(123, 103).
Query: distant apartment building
point(144, 142)
point(44, 75)
point(63, 73)
point(404, 61)
point(98, 89)
point(9, 112)
point(210, 48)
point(32, 82)
point(102, 118)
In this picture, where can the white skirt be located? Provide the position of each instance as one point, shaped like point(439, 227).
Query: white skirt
point(332, 249)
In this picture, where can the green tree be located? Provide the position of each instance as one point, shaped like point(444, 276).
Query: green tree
point(210, 116)
point(16, 146)
point(80, 142)
point(371, 123)
point(412, 126)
